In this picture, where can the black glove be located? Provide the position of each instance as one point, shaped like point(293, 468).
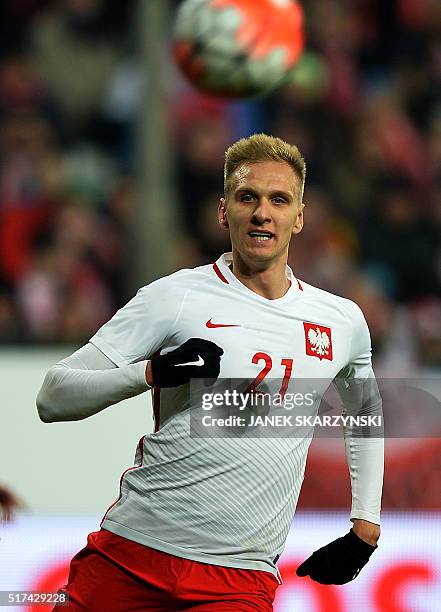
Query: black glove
point(196, 358)
point(338, 562)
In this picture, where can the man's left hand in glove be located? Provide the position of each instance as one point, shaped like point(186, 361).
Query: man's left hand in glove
point(339, 561)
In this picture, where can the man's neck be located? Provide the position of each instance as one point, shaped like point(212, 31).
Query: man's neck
point(269, 282)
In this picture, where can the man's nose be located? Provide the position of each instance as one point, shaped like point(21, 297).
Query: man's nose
point(262, 212)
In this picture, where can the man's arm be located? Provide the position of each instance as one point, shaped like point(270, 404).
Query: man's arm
point(88, 381)
point(111, 367)
point(85, 383)
point(364, 453)
point(364, 446)
point(340, 561)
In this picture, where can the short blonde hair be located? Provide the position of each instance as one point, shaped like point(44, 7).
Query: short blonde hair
point(259, 148)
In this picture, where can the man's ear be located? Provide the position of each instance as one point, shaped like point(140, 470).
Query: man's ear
point(222, 214)
point(298, 225)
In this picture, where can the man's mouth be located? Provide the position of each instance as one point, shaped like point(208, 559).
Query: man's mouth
point(261, 235)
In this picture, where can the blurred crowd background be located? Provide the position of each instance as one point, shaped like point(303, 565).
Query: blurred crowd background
point(364, 108)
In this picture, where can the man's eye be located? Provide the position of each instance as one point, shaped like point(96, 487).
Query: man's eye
point(246, 197)
point(279, 200)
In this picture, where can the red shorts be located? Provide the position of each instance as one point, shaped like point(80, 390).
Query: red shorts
point(113, 574)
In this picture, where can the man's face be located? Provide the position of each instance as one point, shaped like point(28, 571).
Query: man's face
point(262, 211)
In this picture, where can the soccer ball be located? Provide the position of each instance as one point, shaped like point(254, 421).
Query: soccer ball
point(238, 48)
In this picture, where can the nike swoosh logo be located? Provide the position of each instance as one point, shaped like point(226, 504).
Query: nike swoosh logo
point(199, 362)
point(211, 325)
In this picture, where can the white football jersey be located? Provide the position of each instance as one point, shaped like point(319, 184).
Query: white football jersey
point(219, 500)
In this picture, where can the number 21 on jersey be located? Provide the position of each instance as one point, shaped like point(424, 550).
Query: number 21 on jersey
point(268, 364)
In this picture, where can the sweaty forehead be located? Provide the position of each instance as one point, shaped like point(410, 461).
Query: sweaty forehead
point(278, 175)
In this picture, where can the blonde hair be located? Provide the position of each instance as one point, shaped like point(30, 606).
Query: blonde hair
point(259, 148)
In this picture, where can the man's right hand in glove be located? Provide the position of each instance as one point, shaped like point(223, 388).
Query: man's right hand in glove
point(196, 358)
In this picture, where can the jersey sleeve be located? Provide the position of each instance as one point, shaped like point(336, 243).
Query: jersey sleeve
point(139, 329)
point(85, 383)
point(364, 445)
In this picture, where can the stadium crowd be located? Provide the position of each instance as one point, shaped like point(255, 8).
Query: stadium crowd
point(363, 108)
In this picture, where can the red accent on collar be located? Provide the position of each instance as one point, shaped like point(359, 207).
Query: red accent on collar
point(219, 273)
point(298, 283)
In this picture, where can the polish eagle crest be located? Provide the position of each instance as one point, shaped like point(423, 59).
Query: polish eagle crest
point(319, 341)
